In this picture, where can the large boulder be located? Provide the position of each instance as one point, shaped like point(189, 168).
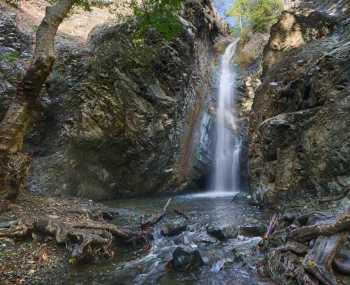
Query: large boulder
point(122, 118)
point(294, 31)
point(185, 260)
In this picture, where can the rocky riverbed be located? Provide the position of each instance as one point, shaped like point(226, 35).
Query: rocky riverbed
point(202, 239)
point(112, 124)
point(206, 225)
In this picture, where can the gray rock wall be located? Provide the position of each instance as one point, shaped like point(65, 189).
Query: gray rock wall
point(300, 123)
point(123, 120)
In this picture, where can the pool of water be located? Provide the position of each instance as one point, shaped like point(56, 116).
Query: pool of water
point(230, 262)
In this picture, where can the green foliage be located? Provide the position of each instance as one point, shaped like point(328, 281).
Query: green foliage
point(11, 56)
point(13, 3)
point(85, 4)
point(235, 31)
point(260, 14)
point(161, 15)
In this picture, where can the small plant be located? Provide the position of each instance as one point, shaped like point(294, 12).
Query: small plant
point(11, 56)
point(13, 3)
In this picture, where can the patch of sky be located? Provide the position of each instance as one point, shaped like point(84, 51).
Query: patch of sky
point(223, 6)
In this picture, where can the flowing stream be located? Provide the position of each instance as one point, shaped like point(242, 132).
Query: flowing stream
point(226, 262)
point(228, 145)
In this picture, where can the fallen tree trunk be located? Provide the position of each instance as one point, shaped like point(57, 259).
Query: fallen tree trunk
point(307, 233)
point(342, 263)
point(21, 113)
point(86, 242)
point(88, 239)
point(319, 260)
point(285, 267)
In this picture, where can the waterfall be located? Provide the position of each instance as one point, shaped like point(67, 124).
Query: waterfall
point(228, 144)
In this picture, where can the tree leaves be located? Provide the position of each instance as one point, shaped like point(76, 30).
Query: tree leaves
point(161, 15)
point(260, 14)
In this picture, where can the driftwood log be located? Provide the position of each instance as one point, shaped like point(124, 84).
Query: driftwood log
point(87, 240)
point(342, 263)
point(319, 260)
point(307, 254)
point(285, 267)
point(302, 234)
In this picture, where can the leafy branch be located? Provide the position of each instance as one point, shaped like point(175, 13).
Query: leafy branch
point(259, 14)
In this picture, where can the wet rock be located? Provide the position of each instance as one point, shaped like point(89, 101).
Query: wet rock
point(238, 257)
point(185, 260)
point(252, 230)
point(110, 213)
point(223, 233)
point(288, 218)
point(172, 230)
point(8, 224)
point(241, 196)
point(217, 233)
point(218, 266)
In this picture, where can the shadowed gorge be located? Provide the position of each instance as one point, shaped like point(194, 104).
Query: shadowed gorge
point(174, 142)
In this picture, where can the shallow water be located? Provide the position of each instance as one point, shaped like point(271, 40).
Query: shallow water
point(236, 256)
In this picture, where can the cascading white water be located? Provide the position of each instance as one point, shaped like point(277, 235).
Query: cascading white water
point(228, 145)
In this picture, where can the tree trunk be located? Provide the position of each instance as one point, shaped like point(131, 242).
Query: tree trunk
point(307, 233)
point(320, 259)
point(20, 115)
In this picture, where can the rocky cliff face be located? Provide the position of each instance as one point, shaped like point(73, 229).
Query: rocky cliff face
point(15, 50)
point(120, 119)
point(300, 122)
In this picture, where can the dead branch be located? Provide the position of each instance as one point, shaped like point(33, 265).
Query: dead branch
point(272, 226)
point(156, 219)
point(307, 233)
point(91, 245)
point(182, 214)
point(295, 247)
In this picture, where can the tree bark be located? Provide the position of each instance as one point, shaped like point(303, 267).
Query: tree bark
point(319, 260)
point(88, 239)
point(308, 233)
point(20, 115)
